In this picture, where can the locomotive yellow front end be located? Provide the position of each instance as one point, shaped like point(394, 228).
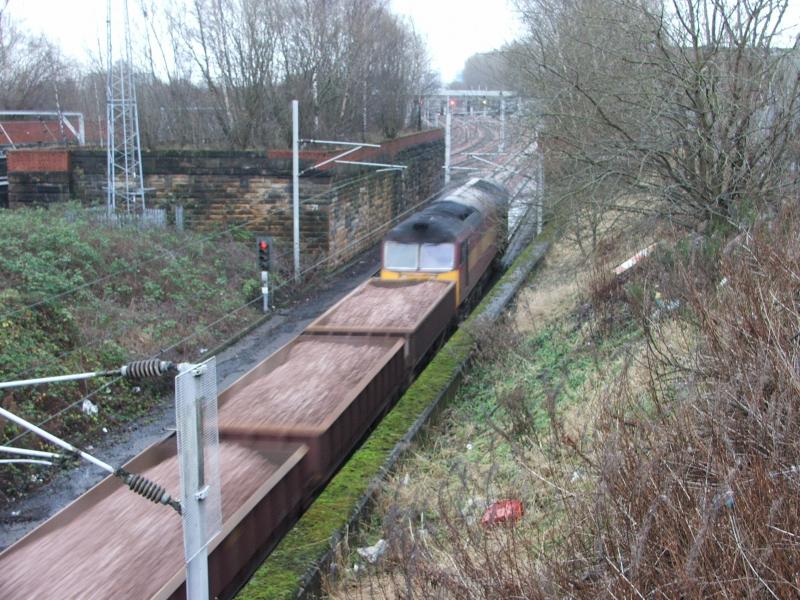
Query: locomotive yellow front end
point(409, 260)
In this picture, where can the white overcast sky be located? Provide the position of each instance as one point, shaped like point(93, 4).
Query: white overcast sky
point(457, 29)
point(453, 29)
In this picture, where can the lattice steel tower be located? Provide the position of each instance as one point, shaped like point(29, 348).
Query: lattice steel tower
point(125, 181)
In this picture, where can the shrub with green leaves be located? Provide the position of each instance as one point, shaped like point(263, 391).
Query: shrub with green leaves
point(78, 296)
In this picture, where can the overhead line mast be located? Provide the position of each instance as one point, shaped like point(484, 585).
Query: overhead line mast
point(125, 180)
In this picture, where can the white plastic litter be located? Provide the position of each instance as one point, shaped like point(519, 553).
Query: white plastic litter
point(473, 509)
point(371, 554)
point(89, 407)
point(633, 260)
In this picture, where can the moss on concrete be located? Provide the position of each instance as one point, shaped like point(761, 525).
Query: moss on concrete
point(279, 577)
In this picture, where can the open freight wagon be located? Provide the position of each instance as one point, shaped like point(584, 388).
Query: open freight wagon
point(416, 311)
point(285, 428)
point(112, 543)
point(322, 392)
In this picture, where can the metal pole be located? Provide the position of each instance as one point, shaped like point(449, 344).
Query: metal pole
point(198, 455)
point(24, 461)
point(502, 124)
point(447, 124)
point(54, 379)
point(137, 142)
point(357, 145)
point(296, 186)
point(315, 93)
point(26, 452)
point(194, 536)
point(364, 112)
point(54, 440)
point(111, 177)
point(540, 190)
point(135, 370)
point(81, 130)
point(370, 164)
point(123, 103)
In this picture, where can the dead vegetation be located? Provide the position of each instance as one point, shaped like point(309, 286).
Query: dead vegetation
point(650, 429)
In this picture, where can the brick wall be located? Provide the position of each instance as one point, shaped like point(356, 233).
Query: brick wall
point(360, 213)
point(340, 204)
point(38, 177)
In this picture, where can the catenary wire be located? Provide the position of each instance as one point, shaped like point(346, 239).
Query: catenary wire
point(140, 264)
point(335, 189)
point(225, 316)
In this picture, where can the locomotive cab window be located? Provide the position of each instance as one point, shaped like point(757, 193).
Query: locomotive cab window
point(436, 257)
point(400, 257)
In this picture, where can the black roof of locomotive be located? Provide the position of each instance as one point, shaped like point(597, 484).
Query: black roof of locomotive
point(439, 223)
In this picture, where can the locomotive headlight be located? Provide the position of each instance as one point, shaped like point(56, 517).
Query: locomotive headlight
point(437, 258)
point(400, 257)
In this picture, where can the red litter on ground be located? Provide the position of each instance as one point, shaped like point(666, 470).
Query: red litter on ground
point(503, 511)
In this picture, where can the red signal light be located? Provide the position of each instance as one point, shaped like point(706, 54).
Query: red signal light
point(263, 253)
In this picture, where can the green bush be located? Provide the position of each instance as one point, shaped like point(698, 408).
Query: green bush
point(78, 296)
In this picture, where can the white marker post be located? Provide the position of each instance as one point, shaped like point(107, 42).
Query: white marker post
point(447, 124)
point(502, 123)
point(296, 186)
point(265, 290)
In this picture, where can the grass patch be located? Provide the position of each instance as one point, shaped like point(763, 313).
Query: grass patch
point(525, 388)
point(652, 437)
point(279, 576)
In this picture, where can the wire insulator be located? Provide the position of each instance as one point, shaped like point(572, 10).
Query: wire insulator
point(142, 369)
point(148, 489)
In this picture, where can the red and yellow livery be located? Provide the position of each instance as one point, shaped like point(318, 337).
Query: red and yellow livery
point(455, 238)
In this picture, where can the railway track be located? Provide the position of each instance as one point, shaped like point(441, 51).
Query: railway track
point(273, 427)
point(485, 139)
point(514, 168)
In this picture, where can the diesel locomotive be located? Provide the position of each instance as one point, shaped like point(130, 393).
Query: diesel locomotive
point(455, 238)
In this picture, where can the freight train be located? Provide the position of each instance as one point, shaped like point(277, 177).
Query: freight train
point(285, 427)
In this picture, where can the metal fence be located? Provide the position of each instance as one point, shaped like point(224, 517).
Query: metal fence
point(149, 218)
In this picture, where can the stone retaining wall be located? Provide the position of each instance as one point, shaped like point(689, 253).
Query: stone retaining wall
point(343, 207)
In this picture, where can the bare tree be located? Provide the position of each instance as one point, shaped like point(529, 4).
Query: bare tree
point(351, 63)
point(223, 72)
point(487, 71)
point(689, 107)
point(233, 45)
point(30, 67)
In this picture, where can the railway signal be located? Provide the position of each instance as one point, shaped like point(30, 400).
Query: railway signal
point(263, 254)
point(263, 247)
